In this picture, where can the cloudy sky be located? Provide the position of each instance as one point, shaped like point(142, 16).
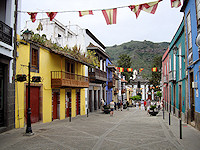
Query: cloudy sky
point(157, 27)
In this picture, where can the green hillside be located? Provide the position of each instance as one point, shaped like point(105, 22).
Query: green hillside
point(141, 53)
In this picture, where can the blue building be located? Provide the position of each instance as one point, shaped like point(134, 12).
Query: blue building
point(177, 80)
point(191, 11)
point(110, 83)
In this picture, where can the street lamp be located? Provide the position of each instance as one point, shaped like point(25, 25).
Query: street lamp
point(26, 36)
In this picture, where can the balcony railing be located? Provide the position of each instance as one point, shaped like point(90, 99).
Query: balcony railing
point(165, 78)
point(111, 83)
point(172, 75)
point(67, 79)
point(5, 33)
point(97, 75)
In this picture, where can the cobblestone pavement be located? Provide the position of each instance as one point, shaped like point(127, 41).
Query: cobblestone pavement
point(128, 129)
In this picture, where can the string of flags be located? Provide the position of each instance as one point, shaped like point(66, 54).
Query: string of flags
point(121, 69)
point(110, 15)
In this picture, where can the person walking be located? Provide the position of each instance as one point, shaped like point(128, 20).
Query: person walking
point(102, 104)
point(142, 105)
point(112, 106)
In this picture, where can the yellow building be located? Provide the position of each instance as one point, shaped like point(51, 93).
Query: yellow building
point(129, 94)
point(61, 91)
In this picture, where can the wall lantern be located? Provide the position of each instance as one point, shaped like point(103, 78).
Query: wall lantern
point(175, 50)
point(27, 35)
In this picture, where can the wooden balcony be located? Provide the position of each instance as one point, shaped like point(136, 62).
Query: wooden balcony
point(172, 76)
point(5, 33)
point(61, 79)
point(111, 83)
point(97, 75)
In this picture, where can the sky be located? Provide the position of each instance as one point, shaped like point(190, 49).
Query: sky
point(158, 27)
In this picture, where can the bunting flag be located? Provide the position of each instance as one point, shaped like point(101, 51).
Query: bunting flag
point(51, 15)
point(175, 3)
point(33, 16)
point(130, 69)
point(120, 69)
point(140, 70)
point(148, 7)
point(110, 15)
point(85, 12)
point(154, 69)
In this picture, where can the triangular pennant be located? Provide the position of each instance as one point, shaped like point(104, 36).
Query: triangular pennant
point(130, 69)
point(33, 16)
point(110, 15)
point(154, 69)
point(175, 3)
point(140, 70)
point(85, 12)
point(147, 7)
point(51, 15)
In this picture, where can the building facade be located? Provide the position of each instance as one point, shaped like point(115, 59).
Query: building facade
point(191, 11)
point(165, 80)
point(7, 66)
point(177, 77)
point(61, 90)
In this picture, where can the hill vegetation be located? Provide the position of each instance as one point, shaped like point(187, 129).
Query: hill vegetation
point(142, 54)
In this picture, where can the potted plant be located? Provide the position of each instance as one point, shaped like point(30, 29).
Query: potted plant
point(21, 77)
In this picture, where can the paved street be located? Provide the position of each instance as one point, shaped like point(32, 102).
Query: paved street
point(132, 129)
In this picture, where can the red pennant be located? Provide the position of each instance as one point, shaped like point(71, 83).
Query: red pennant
point(33, 16)
point(51, 15)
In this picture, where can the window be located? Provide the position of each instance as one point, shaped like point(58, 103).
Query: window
point(69, 66)
point(189, 35)
point(34, 58)
point(170, 65)
point(180, 63)
point(198, 18)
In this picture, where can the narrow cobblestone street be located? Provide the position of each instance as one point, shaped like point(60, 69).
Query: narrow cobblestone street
point(127, 129)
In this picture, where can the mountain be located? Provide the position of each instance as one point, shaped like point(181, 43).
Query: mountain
point(141, 53)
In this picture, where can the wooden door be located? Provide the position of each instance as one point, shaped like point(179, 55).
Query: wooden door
point(55, 105)
point(90, 100)
point(34, 103)
point(192, 101)
point(180, 101)
point(78, 103)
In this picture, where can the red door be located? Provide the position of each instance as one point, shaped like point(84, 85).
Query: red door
point(54, 105)
point(34, 103)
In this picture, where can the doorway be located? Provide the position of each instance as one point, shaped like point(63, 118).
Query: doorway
point(90, 100)
point(68, 103)
point(192, 101)
point(78, 102)
point(34, 103)
point(180, 100)
point(55, 104)
point(174, 98)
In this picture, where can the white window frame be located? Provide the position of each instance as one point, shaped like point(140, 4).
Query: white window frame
point(189, 35)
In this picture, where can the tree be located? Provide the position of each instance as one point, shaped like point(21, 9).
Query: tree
point(156, 76)
point(124, 61)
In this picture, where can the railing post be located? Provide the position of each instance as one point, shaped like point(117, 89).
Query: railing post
point(180, 129)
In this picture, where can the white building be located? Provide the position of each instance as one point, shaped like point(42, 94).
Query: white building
point(7, 66)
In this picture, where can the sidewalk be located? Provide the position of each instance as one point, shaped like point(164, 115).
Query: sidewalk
point(131, 129)
point(190, 136)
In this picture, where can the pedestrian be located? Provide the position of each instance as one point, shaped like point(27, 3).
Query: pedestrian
point(118, 104)
point(115, 105)
point(102, 104)
point(145, 103)
point(121, 105)
point(148, 105)
point(137, 105)
point(142, 105)
point(112, 105)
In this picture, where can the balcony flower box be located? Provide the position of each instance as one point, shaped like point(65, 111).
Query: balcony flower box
point(21, 77)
